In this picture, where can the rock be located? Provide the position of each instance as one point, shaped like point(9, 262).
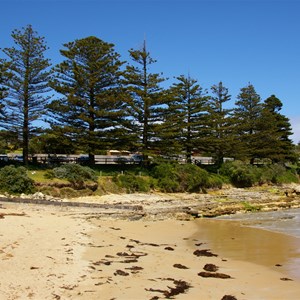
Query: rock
point(39, 196)
point(181, 216)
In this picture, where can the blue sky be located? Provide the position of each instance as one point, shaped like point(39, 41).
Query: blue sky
point(236, 42)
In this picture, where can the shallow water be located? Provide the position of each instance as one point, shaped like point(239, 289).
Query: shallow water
point(285, 221)
point(231, 239)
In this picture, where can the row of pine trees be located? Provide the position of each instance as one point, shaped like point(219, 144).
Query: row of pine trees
point(93, 101)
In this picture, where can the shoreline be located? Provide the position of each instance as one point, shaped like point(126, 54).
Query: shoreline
point(275, 250)
point(181, 206)
point(65, 252)
point(250, 279)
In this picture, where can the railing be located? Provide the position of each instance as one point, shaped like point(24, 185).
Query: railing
point(99, 159)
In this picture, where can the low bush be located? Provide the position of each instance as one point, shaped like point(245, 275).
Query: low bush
point(192, 178)
point(49, 191)
point(287, 177)
point(278, 174)
point(244, 175)
point(67, 192)
point(240, 174)
point(14, 180)
point(133, 183)
point(215, 181)
point(76, 174)
point(180, 178)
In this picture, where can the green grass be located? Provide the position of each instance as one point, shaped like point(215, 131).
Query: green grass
point(250, 207)
point(111, 170)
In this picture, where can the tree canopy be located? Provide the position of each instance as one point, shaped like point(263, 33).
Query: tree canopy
point(26, 83)
point(89, 110)
point(145, 98)
point(100, 102)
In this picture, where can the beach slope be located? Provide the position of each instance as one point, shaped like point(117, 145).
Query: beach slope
point(70, 253)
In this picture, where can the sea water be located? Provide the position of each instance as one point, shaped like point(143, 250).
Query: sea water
point(266, 238)
point(283, 221)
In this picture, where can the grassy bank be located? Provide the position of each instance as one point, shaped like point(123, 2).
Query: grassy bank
point(72, 180)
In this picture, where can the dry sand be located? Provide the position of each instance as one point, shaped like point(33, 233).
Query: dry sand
point(63, 253)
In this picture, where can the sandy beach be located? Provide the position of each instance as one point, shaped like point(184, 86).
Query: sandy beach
point(49, 252)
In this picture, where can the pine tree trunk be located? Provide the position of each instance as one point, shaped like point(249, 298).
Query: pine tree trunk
point(26, 122)
point(25, 137)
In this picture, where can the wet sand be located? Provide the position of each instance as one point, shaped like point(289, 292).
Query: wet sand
point(249, 277)
point(274, 250)
point(63, 253)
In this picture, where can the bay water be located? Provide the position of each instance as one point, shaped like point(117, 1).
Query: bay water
point(283, 221)
point(271, 239)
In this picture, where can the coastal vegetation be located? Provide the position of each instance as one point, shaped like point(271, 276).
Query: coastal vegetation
point(15, 180)
point(74, 180)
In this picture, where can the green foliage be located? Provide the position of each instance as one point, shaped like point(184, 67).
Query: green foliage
point(91, 109)
point(52, 141)
point(133, 183)
point(68, 192)
point(144, 98)
point(186, 101)
point(102, 106)
point(271, 173)
point(240, 174)
point(278, 174)
point(215, 181)
point(244, 175)
point(14, 180)
point(77, 175)
point(287, 177)
point(250, 207)
point(191, 177)
point(219, 140)
point(28, 72)
point(180, 178)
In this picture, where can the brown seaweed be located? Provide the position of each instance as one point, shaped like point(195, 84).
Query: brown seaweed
point(214, 275)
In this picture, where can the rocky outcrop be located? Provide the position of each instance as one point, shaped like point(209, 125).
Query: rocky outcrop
point(181, 206)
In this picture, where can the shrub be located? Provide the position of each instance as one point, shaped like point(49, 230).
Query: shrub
point(240, 174)
point(49, 190)
point(245, 175)
point(277, 174)
point(168, 185)
point(133, 183)
point(191, 178)
point(287, 177)
point(180, 178)
point(14, 180)
point(68, 192)
point(77, 175)
point(215, 181)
